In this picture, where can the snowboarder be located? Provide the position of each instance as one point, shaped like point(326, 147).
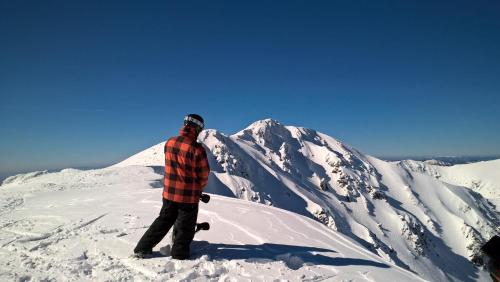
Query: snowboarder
point(186, 175)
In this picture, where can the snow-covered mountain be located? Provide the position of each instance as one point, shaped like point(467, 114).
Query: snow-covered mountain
point(321, 211)
point(431, 227)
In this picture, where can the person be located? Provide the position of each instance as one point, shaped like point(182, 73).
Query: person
point(492, 251)
point(186, 175)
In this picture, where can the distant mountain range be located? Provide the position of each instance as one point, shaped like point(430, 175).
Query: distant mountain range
point(444, 160)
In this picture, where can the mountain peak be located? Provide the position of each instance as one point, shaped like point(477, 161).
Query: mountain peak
point(264, 123)
point(264, 132)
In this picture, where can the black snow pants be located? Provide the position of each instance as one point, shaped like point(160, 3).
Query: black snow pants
point(183, 217)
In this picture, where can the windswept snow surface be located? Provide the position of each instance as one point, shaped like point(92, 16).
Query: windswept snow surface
point(83, 225)
point(431, 227)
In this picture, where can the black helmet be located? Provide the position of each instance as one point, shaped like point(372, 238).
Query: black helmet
point(194, 119)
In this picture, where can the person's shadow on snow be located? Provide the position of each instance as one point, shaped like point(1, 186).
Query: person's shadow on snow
point(293, 256)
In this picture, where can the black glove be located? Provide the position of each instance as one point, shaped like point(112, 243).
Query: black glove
point(205, 198)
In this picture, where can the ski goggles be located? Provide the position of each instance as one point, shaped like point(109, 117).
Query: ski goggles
point(195, 121)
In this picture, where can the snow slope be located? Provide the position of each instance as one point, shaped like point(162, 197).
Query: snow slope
point(405, 217)
point(481, 177)
point(82, 226)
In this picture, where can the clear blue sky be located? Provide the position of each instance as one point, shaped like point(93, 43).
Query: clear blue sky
point(88, 83)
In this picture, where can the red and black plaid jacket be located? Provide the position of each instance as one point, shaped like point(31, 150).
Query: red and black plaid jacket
point(186, 168)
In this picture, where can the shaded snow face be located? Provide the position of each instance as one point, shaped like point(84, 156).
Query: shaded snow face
point(400, 212)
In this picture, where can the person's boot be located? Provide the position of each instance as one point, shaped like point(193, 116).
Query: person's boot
point(143, 254)
point(180, 252)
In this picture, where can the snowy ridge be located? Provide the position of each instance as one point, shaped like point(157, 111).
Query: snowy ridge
point(82, 226)
point(152, 156)
point(482, 177)
point(22, 178)
point(398, 213)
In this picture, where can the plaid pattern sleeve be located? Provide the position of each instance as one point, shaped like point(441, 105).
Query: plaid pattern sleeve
point(202, 167)
point(186, 170)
